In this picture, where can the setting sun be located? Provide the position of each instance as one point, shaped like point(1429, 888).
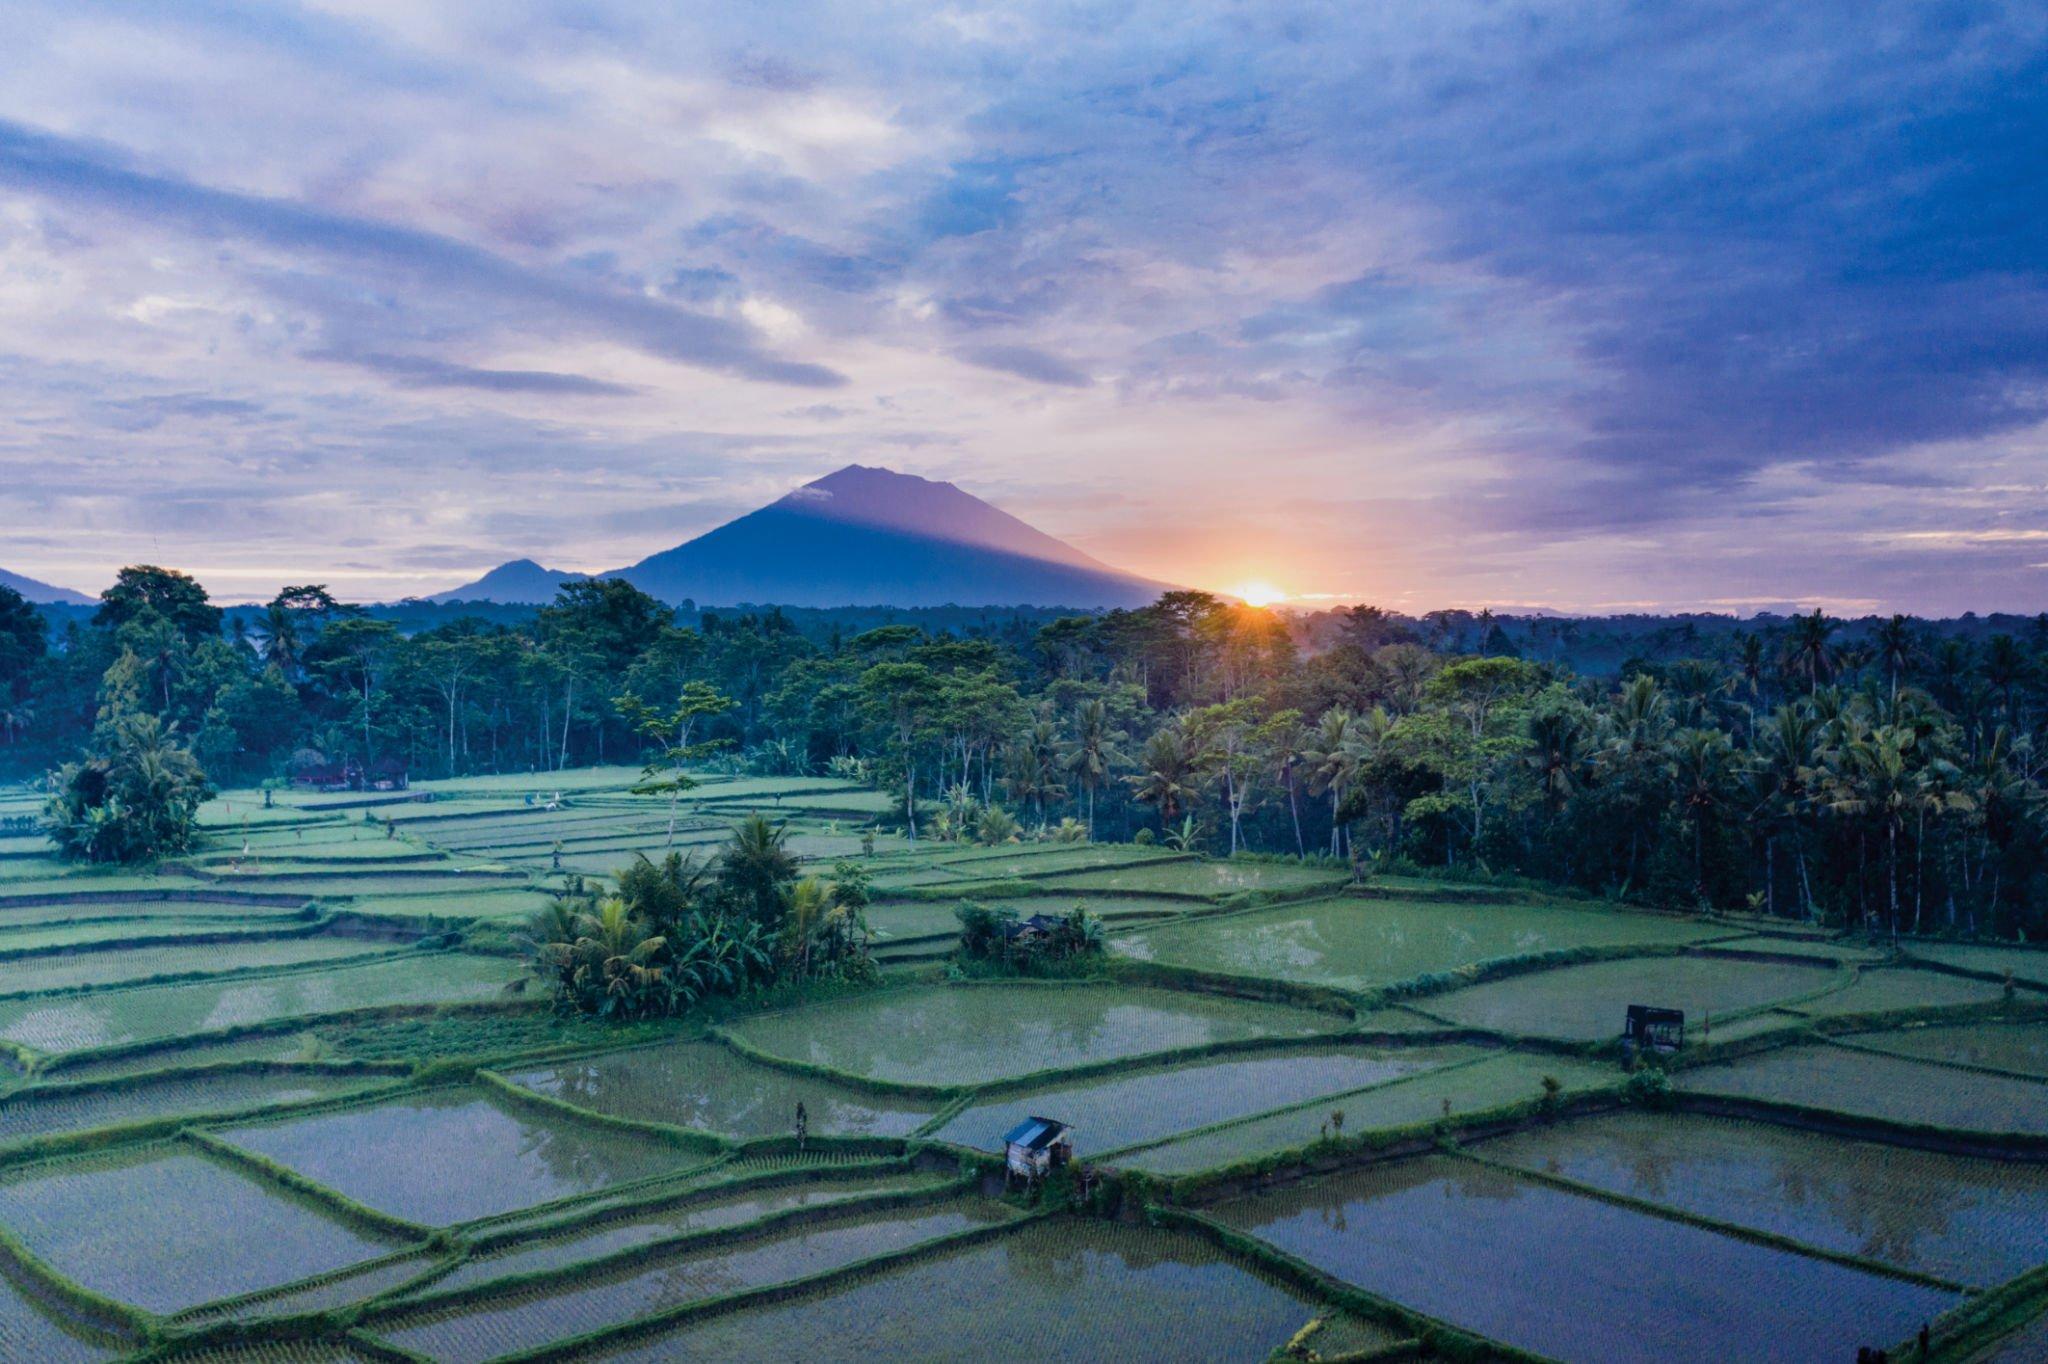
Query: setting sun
point(1258, 593)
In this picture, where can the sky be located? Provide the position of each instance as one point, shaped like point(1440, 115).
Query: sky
point(1716, 306)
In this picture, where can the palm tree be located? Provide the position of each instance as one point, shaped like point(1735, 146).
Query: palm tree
point(1877, 778)
point(1287, 754)
point(1896, 648)
point(278, 631)
point(757, 869)
point(1557, 744)
point(1089, 756)
point(1787, 756)
point(1170, 772)
point(2005, 668)
point(1702, 761)
point(1332, 758)
point(1031, 767)
point(1808, 650)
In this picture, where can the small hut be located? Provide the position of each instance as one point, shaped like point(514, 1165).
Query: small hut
point(1037, 1146)
point(1653, 1029)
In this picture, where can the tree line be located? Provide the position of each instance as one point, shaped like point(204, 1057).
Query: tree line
point(1882, 774)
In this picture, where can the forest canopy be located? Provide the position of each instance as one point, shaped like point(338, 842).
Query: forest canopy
point(1881, 772)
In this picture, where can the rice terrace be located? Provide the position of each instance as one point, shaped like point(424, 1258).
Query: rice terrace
point(1310, 1116)
point(1273, 682)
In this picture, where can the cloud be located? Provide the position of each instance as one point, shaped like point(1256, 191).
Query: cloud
point(418, 371)
point(73, 172)
point(1026, 362)
point(1572, 295)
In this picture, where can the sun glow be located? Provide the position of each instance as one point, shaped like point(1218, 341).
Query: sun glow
point(1258, 593)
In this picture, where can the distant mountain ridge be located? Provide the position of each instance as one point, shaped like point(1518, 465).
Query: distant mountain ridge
point(521, 580)
point(42, 592)
point(858, 537)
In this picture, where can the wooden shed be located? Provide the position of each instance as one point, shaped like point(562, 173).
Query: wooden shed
point(1037, 1146)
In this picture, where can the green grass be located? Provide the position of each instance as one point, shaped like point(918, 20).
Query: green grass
point(1570, 1276)
point(1890, 1088)
point(1970, 1220)
point(456, 1155)
point(954, 1035)
point(1064, 1290)
point(68, 1023)
point(517, 1320)
point(109, 1221)
point(1590, 1003)
point(1358, 944)
point(710, 1087)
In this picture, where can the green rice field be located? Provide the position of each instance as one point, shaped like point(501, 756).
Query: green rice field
point(713, 1088)
point(450, 1156)
point(1971, 1220)
point(964, 1034)
point(34, 1325)
point(544, 1312)
point(276, 1132)
point(1127, 1110)
point(1457, 1090)
point(2019, 1047)
point(2025, 964)
point(1074, 1290)
point(1358, 944)
point(1205, 880)
point(70, 970)
point(1588, 1003)
point(1570, 1276)
point(67, 1023)
point(45, 1109)
point(1889, 1088)
point(105, 1220)
point(706, 1212)
point(1892, 989)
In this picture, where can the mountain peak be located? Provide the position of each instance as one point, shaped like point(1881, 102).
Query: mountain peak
point(859, 536)
point(519, 581)
point(863, 535)
point(42, 592)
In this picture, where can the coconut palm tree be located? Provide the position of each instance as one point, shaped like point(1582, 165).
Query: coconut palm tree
point(1091, 753)
point(1808, 650)
point(1332, 756)
point(1787, 757)
point(757, 868)
point(1171, 772)
point(1702, 763)
point(277, 631)
point(1896, 649)
point(1558, 753)
point(1876, 777)
point(2006, 666)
